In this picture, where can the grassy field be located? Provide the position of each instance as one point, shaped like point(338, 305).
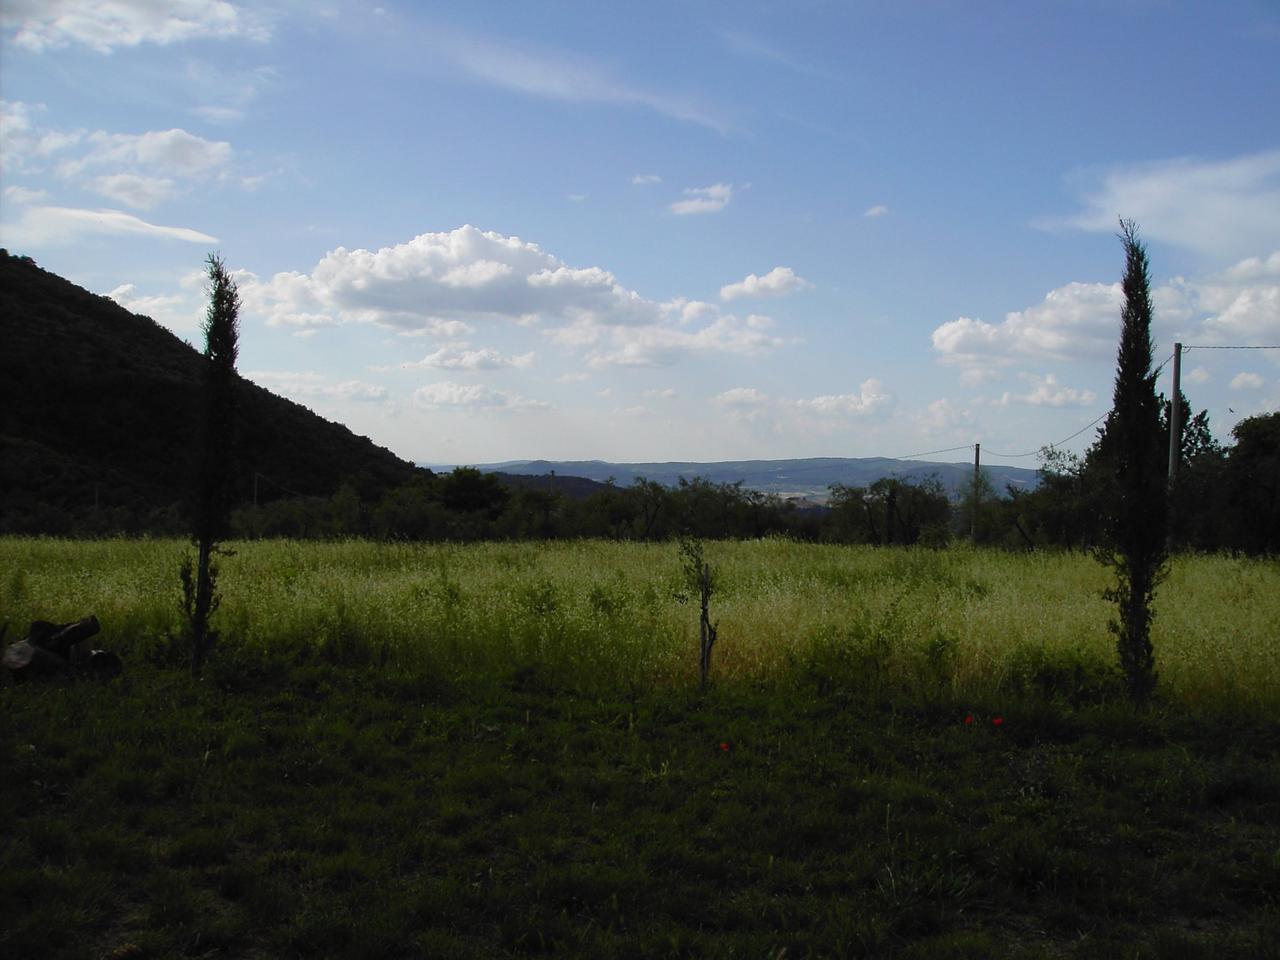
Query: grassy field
point(604, 617)
point(500, 751)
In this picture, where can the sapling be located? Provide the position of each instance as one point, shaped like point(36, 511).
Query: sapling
point(699, 577)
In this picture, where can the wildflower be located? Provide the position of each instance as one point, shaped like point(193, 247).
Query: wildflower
point(724, 746)
point(968, 720)
point(997, 721)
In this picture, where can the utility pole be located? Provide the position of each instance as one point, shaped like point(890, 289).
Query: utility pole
point(1175, 416)
point(973, 512)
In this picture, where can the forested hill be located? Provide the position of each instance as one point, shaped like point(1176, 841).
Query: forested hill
point(97, 405)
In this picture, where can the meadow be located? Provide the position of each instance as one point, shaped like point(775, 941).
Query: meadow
point(608, 617)
point(501, 750)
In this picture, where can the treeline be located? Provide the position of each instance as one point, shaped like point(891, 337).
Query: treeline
point(1227, 497)
point(1224, 498)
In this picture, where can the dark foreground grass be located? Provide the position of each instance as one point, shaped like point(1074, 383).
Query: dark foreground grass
point(309, 810)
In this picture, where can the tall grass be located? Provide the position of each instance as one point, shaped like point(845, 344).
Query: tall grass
point(604, 615)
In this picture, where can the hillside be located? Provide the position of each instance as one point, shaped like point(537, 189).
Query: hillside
point(809, 478)
point(96, 405)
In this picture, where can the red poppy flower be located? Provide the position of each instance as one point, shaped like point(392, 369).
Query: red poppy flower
point(996, 721)
point(724, 746)
point(969, 720)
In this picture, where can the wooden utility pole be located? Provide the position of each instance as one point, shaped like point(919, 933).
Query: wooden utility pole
point(973, 512)
point(1175, 416)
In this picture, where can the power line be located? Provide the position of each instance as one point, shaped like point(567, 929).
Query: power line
point(1201, 346)
point(912, 456)
point(1016, 456)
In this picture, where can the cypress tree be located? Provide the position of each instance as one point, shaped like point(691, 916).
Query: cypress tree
point(1136, 513)
point(211, 520)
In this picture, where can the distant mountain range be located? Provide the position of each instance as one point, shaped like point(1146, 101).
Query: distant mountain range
point(808, 478)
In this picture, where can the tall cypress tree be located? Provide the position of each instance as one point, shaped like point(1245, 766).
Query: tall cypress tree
point(211, 521)
point(1134, 448)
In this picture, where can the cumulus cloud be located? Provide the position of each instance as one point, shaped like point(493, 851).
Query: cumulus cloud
point(879, 210)
point(469, 277)
point(447, 395)
point(175, 311)
point(1046, 391)
point(38, 226)
point(1198, 376)
point(1242, 303)
point(640, 179)
point(1247, 381)
point(40, 25)
point(778, 282)
point(1239, 306)
point(666, 393)
point(710, 199)
point(1213, 207)
point(458, 357)
point(140, 170)
point(1079, 320)
point(174, 152)
point(309, 385)
point(663, 345)
point(871, 396)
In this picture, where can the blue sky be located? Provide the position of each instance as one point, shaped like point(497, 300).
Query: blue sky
point(488, 231)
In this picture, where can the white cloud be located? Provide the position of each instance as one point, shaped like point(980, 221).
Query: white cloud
point(471, 277)
point(668, 393)
point(140, 192)
point(59, 225)
point(1242, 303)
point(573, 377)
point(1046, 391)
point(710, 199)
point(22, 195)
point(174, 152)
point(944, 416)
point(447, 395)
point(309, 385)
point(741, 397)
point(1239, 306)
point(177, 312)
point(660, 346)
point(640, 179)
point(778, 282)
point(557, 75)
point(104, 26)
point(1217, 207)
point(879, 210)
point(871, 396)
point(457, 357)
point(1247, 381)
point(1079, 320)
point(1198, 376)
point(141, 170)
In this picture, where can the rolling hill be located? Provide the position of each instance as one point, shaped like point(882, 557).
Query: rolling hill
point(808, 478)
point(96, 410)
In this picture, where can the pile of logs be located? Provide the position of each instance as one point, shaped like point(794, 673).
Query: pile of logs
point(59, 650)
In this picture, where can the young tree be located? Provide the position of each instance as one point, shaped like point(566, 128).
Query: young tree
point(211, 519)
point(1135, 516)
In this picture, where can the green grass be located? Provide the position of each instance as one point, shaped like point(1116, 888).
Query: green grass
point(604, 617)
point(531, 769)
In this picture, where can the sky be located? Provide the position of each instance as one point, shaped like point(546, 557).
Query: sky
point(478, 232)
